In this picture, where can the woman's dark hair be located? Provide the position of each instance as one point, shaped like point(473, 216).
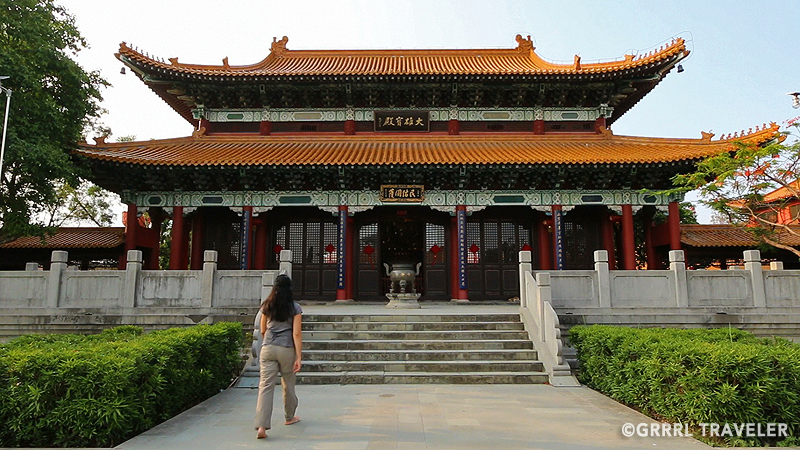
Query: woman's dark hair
point(279, 305)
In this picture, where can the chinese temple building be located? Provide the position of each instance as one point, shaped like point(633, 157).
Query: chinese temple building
point(449, 160)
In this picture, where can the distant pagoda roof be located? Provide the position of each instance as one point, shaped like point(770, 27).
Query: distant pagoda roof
point(417, 149)
point(729, 236)
point(519, 64)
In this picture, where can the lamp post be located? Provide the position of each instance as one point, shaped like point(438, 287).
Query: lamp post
point(5, 123)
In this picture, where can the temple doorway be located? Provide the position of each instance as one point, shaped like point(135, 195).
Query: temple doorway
point(390, 235)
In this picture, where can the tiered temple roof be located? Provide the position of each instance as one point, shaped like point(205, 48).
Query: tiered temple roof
point(372, 149)
point(624, 81)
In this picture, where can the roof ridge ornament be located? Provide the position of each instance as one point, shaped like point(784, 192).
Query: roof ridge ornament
point(100, 140)
point(605, 132)
point(198, 133)
point(278, 48)
point(577, 63)
point(524, 44)
point(706, 136)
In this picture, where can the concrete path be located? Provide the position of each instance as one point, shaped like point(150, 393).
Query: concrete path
point(380, 417)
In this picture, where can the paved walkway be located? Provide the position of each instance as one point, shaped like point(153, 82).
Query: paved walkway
point(380, 417)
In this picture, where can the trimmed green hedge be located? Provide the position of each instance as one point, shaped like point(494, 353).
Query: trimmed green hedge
point(99, 390)
point(694, 376)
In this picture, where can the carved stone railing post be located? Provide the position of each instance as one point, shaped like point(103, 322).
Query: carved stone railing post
point(677, 264)
point(603, 278)
point(58, 264)
point(776, 265)
point(31, 267)
point(543, 295)
point(752, 263)
point(524, 267)
point(286, 262)
point(209, 272)
point(132, 271)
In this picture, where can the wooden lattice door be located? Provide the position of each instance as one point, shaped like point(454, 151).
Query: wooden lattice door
point(314, 257)
point(493, 247)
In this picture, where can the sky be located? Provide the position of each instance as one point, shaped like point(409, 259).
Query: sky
point(742, 62)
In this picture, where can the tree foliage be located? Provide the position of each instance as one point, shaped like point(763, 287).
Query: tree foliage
point(85, 204)
point(54, 101)
point(736, 186)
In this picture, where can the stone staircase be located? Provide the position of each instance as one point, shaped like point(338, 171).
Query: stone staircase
point(413, 349)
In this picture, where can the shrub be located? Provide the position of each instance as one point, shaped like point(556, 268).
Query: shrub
point(694, 376)
point(98, 390)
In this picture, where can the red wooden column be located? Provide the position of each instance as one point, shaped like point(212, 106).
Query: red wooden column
point(538, 126)
point(461, 293)
point(653, 261)
point(265, 128)
point(260, 245)
point(453, 127)
point(177, 248)
point(543, 244)
point(558, 237)
point(628, 245)
point(674, 220)
point(344, 256)
point(131, 226)
point(607, 229)
point(197, 240)
point(156, 218)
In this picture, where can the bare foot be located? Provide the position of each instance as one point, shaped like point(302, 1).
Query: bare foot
point(262, 433)
point(292, 421)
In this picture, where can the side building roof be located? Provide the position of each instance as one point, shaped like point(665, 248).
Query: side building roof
point(70, 238)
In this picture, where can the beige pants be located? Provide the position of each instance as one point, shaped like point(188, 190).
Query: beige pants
point(274, 359)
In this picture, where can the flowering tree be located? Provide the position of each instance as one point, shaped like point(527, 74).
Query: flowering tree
point(754, 186)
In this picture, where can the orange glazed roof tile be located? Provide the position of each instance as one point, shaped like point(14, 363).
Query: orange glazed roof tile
point(521, 60)
point(108, 237)
point(782, 192)
point(728, 236)
point(300, 150)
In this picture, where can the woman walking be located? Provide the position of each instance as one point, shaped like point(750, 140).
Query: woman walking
point(282, 342)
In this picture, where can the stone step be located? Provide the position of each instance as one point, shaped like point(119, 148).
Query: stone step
point(420, 355)
point(423, 366)
point(411, 318)
point(410, 326)
point(421, 378)
point(415, 335)
point(425, 344)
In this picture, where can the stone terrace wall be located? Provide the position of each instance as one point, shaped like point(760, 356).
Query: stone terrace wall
point(765, 302)
point(71, 301)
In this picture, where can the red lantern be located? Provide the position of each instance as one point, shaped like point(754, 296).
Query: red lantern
point(473, 248)
point(330, 248)
point(368, 250)
point(435, 249)
point(526, 248)
point(277, 248)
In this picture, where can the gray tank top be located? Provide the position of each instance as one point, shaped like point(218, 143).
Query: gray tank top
point(280, 333)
